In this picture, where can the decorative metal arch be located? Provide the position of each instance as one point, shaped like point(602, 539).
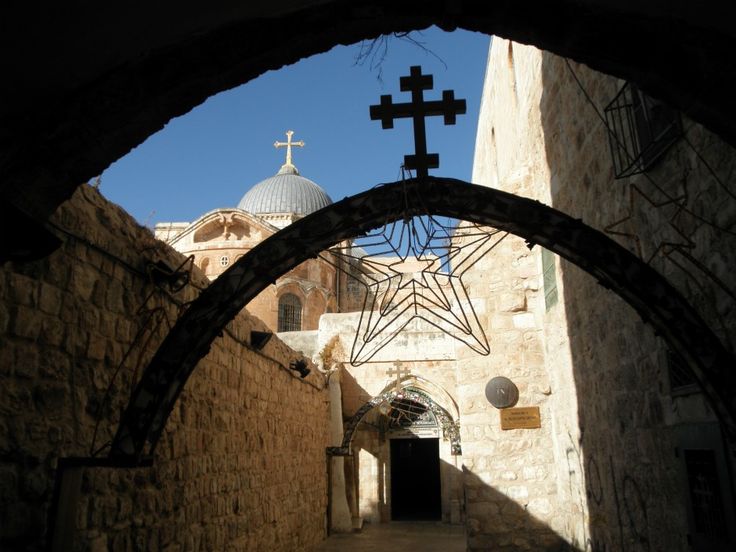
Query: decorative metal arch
point(450, 428)
point(613, 266)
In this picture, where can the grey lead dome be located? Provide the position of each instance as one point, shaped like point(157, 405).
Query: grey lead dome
point(286, 192)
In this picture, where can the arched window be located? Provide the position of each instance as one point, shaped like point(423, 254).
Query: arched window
point(290, 313)
point(204, 264)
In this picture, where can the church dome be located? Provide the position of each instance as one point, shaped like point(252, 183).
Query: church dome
point(286, 192)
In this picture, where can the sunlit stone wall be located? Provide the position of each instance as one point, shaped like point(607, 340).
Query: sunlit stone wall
point(611, 424)
point(241, 463)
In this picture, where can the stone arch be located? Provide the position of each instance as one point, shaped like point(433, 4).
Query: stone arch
point(676, 53)
point(438, 393)
point(450, 427)
point(612, 265)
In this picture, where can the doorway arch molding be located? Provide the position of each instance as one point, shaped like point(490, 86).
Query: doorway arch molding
point(450, 428)
point(648, 292)
point(438, 393)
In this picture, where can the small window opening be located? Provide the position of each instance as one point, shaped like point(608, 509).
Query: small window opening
point(641, 130)
point(682, 381)
point(705, 493)
point(290, 313)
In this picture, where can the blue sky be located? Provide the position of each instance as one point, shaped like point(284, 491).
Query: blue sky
point(211, 156)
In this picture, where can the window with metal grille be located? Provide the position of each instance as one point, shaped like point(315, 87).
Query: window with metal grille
point(641, 129)
point(681, 379)
point(705, 493)
point(550, 278)
point(224, 260)
point(290, 313)
point(353, 285)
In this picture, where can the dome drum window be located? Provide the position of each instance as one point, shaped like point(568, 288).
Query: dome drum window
point(224, 260)
point(640, 130)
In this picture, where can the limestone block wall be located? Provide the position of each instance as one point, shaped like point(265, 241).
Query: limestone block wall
point(677, 217)
point(517, 483)
point(614, 423)
point(241, 463)
point(512, 494)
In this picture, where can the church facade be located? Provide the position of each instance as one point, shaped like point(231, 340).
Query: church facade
point(220, 237)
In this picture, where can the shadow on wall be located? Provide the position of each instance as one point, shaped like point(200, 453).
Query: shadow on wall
point(634, 484)
point(494, 521)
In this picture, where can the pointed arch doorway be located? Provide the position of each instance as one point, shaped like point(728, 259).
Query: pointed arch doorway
point(405, 453)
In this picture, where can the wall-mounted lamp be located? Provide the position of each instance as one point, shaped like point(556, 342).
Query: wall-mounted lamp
point(258, 339)
point(300, 366)
point(175, 278)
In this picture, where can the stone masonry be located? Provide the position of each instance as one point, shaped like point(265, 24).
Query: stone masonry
point(241, 463)
point(609, 474)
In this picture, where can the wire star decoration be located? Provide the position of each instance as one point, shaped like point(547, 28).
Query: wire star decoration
point(676, 239)
point(413, 269)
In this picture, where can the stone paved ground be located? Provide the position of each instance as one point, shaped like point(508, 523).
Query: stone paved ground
point(415, 536)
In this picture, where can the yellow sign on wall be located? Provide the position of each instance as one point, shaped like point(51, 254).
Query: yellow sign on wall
point(525, 417)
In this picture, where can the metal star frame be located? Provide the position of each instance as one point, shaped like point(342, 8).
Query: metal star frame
point(413, 269)
point(678, 248)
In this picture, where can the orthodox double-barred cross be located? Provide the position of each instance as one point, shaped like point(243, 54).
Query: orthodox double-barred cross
point(418, 109)
point(400, 371)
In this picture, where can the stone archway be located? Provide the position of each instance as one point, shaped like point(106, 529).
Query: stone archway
point(612, 265)
point(61, 127)
point(450, 428)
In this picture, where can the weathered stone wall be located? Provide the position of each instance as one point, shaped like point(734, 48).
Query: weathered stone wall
point(241, 463)
point(615, 481)
point(517, 481)
point(512, 489)
point(679, 219)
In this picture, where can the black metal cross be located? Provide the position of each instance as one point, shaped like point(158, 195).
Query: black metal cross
point(418, 109)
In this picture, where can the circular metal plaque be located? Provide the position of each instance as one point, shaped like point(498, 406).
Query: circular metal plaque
point(501, 392)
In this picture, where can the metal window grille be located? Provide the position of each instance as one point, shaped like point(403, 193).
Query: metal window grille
point(354, 286)
point(550, 278)
point(641, 130)
point(405, 413)
point(290, 313)
point(681, 379)
point(705, 493)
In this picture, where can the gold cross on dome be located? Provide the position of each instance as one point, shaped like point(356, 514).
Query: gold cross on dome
point(287, 145)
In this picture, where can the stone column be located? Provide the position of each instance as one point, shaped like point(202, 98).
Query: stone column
point(339, 511)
